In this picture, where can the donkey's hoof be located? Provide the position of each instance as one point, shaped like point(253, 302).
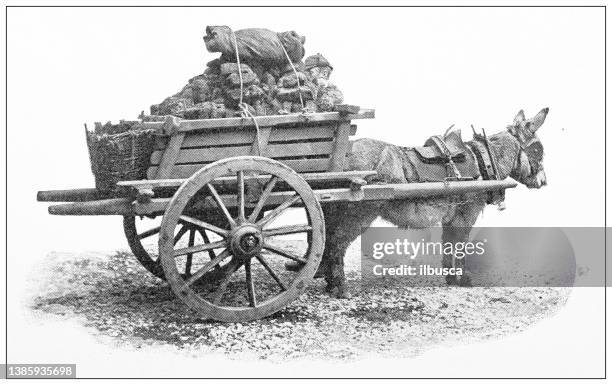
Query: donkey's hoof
point(465, 281)
point(342, 293)
point(451, 280)
point(338, 291)
point(296, 266)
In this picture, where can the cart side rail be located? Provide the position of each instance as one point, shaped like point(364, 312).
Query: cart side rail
point(282, 121)
point(327, 179)
point(305, 142)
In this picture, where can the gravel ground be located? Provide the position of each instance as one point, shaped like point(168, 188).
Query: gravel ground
point(119, 301)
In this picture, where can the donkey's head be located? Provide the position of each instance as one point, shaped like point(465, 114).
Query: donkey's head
point(529, 167)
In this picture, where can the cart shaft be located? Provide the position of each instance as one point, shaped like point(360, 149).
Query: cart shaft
point(72, 195)
point(128, 206)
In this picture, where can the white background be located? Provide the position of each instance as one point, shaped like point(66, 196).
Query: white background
point(421, 68)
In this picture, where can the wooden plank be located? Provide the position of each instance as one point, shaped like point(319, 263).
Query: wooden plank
point(220, 138)
point(309, 177)
point(238, 137)
point(264, 121)
point(303, 133)
point(299, 165)
point(341, 147)
point(233, 137)
point(169, 156)
point(347, 109)
point(207, 155)
point(203, 155)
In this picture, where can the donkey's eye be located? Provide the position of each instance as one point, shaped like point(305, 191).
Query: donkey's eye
point(535, 151)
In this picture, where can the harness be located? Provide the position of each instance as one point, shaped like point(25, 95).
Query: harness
point(487, 163)
point(445, 158)
point(452, 171)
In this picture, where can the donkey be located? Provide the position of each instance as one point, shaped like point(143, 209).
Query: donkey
point(519, 155)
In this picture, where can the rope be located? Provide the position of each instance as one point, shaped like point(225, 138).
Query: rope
point(239, 66)
point(244, 109)
point(246, 113)
point(296, 76)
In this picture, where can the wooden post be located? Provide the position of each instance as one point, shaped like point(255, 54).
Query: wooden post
point(341, 146)
point(343, 131)
point(171, 126)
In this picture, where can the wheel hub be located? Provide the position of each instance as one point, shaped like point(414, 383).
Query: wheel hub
point(246, 241)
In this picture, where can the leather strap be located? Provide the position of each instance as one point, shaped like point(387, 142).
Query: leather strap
point(450, 164)
point(487, 164)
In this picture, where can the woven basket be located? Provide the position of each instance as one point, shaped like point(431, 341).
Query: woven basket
point(119, 152)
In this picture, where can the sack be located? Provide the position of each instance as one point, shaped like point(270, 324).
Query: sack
point(255, 44)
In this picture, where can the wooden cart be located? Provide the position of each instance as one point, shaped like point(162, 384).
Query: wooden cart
point(221, 183)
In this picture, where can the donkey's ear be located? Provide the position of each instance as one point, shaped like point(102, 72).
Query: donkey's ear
point(538, 120)
point(520, 117)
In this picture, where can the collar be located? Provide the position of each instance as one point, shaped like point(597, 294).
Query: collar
point(487, 165)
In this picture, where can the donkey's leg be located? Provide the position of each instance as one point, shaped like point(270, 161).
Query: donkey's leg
point(451, 234)
point(343, 224)
point(458, 230)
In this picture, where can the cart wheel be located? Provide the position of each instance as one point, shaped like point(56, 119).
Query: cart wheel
point(135, 233)
point(255, 283)
point(148, 260)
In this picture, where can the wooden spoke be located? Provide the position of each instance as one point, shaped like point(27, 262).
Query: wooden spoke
point(211, 252)
point(234, 265)
point(240, 199)
point(189, 260)
point(262, 199)
point(149, 233)
point(250, 284)
point(180, 234)
point(287, 230)
point(205, 269)
point(265, 264)
point(279, 210)
point(198, 248)
point(283, 253)
point(217, 198)
point(204, 225)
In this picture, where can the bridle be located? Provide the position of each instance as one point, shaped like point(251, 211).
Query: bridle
point(534, 151)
